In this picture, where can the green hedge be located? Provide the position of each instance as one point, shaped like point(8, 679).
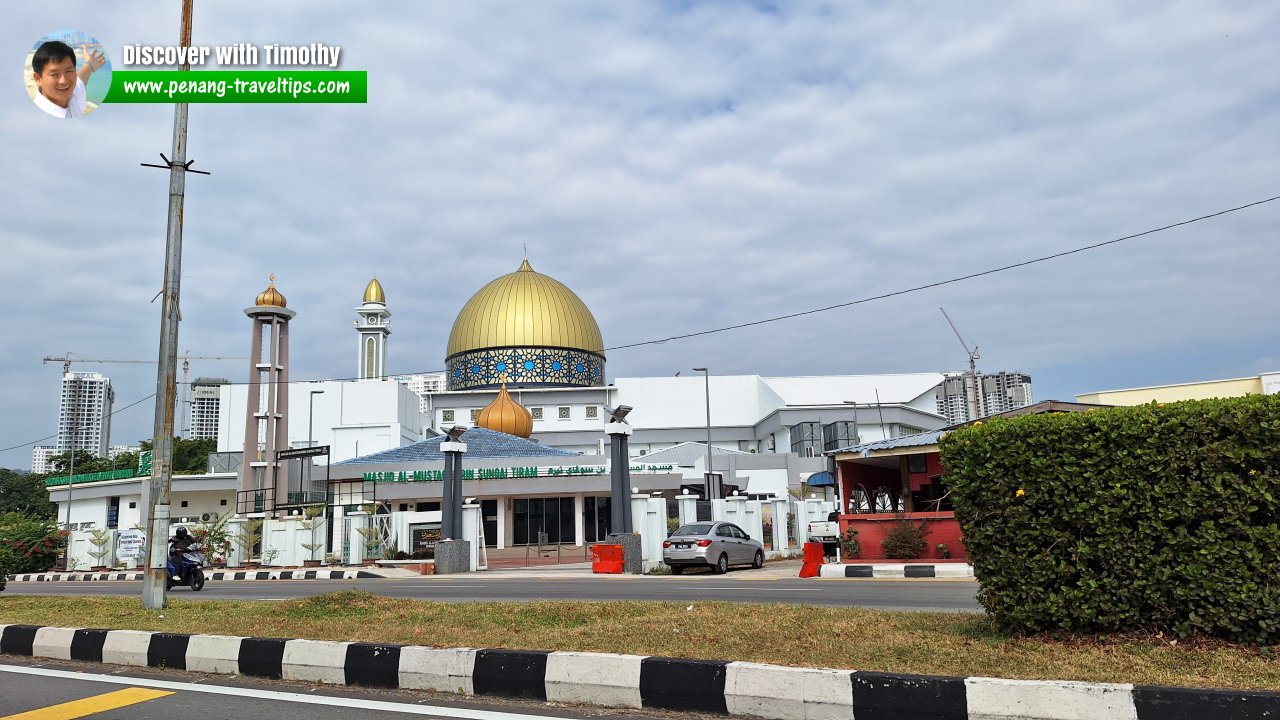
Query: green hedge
point(1147, 517)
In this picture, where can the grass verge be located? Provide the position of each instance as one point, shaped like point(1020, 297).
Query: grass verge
point(854, 638)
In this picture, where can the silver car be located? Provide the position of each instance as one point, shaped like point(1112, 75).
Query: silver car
point(713, 544)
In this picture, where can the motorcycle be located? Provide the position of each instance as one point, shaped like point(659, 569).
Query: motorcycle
point(187, 569)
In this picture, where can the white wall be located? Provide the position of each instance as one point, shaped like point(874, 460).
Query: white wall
point(681, 402)
point(380, 414)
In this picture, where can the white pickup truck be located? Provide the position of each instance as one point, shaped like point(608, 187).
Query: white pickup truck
point(825, 532)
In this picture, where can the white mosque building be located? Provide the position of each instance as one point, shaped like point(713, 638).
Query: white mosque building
point(525, 372)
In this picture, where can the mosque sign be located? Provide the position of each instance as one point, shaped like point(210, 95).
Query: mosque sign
point(505, 473)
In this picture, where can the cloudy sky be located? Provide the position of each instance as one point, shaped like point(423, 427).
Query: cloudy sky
point(681, 166)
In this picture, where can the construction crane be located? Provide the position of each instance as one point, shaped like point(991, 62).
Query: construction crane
point(974, 400)
point(67, 359)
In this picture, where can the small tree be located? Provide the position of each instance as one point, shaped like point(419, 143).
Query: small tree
point(249, 537)
point(373, 541)
point(906, 539)
point(310, 523)
point(100, 546)
point(852, 548)
point(214, 538)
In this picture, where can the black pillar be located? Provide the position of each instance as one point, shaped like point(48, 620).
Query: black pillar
point(451, 492)
point(619, 479)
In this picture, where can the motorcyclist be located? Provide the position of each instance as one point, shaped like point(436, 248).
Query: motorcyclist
point(179, 544)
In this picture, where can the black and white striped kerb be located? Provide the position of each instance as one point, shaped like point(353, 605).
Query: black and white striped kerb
point(607, 680)
point(896, 570)
point(909, 697)
point(261, 657)
point(678, 684)
point(513, 673)
point(217, 575)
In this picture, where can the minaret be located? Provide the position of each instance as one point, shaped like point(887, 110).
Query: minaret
point(266, 420)
point(373, 327)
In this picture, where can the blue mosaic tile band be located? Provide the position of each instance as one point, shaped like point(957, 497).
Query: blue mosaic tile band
point(524, 366)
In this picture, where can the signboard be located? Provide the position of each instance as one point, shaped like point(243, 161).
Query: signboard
point(132, 543)
point(302, 452)
point(504, 473)
point(144, 463)
point(423, 536)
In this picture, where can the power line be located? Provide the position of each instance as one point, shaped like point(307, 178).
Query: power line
point(113, 414)
point(940, 282)
point(803, 313)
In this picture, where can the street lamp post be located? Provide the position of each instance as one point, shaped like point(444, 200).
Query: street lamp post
point(857, 433)
point(71, 478)
point(311, 406)
point(311, 412)
point(712, 493)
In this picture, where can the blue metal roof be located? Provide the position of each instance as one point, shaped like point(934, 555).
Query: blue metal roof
point(925, 438)
point(481, 444)
point(820, 479)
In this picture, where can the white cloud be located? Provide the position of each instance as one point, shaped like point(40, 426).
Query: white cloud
point(681, 168)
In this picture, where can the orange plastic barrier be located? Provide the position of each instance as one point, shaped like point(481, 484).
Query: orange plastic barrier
point(606, 559)
point(812, 560)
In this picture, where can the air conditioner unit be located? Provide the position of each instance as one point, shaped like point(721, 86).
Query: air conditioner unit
point(204, 517)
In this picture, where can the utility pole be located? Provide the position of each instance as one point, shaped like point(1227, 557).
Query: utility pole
point(156, 493)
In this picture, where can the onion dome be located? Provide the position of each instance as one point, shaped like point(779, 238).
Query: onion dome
point(505, 415)
point(525, 328)
point(270, 297)
point(373, 292)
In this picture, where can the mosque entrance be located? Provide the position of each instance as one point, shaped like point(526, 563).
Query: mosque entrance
point(595, 521)
point(544, 521)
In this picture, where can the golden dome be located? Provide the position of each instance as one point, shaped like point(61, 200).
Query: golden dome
point(525, 309)
point(505, 415)
point(270, 297)
point(373, 292)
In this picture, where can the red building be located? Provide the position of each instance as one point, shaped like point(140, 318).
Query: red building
point(879, 482)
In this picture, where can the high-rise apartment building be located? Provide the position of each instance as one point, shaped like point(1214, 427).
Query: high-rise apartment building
point(206, 408)
point(40, 457)
point(84, 417)
point(1004, 391)
point(422, 385)
point(992, 393)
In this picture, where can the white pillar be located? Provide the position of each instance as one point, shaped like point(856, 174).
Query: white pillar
point(504, 511)
point(354, 539)
point(649, 519)
point(335, 530)
point(471, 531)
point(639, 506)
point(750, 520)
point(734, 507)
point(780, 543)
point(579, 526)
point(688, 505)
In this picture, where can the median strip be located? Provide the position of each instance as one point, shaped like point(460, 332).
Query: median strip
point(629, 681)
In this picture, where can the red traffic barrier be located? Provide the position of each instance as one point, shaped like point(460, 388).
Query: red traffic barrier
point(606, 559)
point(813, 557)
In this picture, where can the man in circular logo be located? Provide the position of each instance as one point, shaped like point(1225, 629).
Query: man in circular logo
point(60, 87)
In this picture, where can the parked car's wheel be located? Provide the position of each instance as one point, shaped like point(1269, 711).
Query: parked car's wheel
point(758, 561)
point(722, 565)
point(677, 569)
